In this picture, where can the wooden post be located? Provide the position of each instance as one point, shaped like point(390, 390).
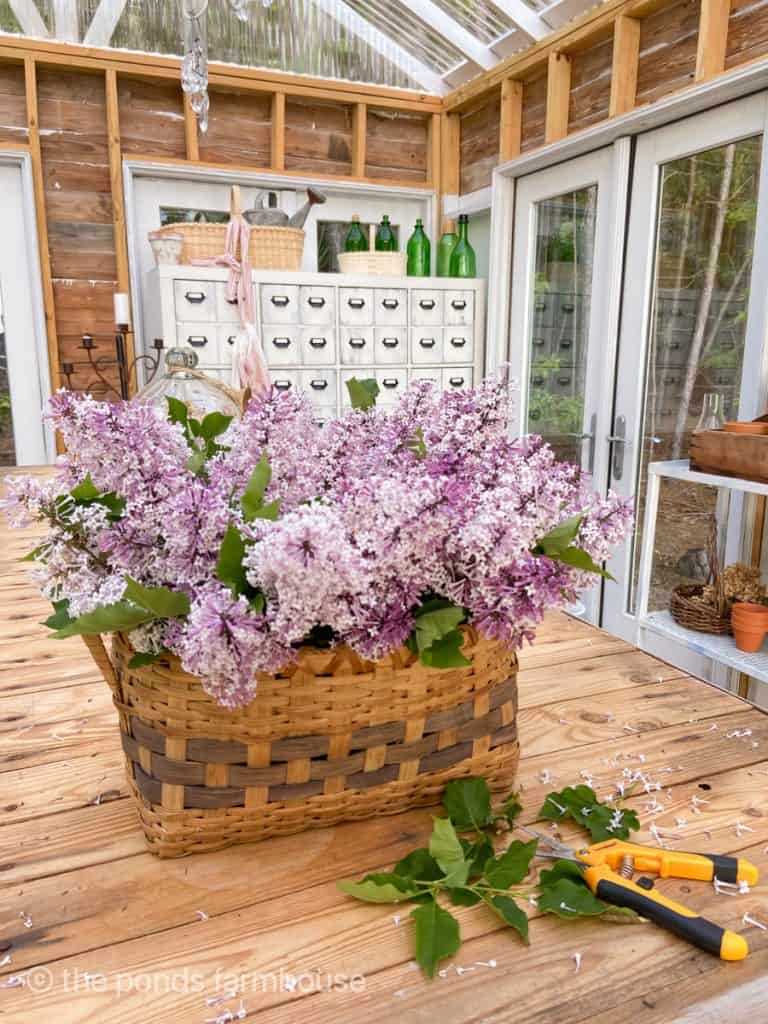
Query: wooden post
point(626, 53)
point(118, 200)
point(434, 153)
point(190, 131)
point(277, 159)
point(511, 119)
point(558, 96)
point(713, 36)
point(450, 133)
point(359, 131)
point(33, 126)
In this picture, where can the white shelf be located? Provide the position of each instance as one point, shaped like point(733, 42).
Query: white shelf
point(681, 470)
point(722, 649)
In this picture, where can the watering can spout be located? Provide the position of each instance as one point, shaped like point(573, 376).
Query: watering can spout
point(313, 198)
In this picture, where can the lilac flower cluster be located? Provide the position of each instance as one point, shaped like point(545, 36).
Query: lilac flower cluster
point(379, 511)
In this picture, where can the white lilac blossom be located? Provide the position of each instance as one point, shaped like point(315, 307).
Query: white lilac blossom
point(379, 511)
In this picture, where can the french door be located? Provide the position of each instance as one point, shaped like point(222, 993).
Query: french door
point(692, 334)
point(561, 308)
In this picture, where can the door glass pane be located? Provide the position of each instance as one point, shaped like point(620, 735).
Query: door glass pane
point(705, 235)
point(7, 445)
point(558, 336)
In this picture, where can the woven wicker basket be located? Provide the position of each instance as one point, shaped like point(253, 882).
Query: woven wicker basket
point(332, 738)
point(689, 608)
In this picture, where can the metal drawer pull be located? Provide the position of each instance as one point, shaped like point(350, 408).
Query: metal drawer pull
point(675, 345)
point(390, 382)
point(279, 300)
point(427, 303)
point(538, 342)
point(566, 343)
point(282, 385)
point(459, 303)
point(355, 303)
point(281, 342)
point(357, 342)
point(390, 303)
point(539, 307)
point(669, 380)
point(197, 340)
point(427, 342)
point(196, 297)
point(232, 339)
point(316, 301)
point(318, 385)
point(456, 382)
point(458, 342)
point(538, 380)
point(568, 307)
point(390, 342)
point(564, 379)
point(318, 342)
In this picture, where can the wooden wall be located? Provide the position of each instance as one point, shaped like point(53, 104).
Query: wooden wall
point(623, 54)
point(80, 112)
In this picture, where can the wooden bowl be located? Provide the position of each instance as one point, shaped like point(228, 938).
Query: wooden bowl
point(737, 427)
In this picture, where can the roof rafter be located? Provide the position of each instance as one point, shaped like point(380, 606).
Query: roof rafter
point(526, 19)
point(450, 29)
point(65, 21)
point(29, 18)
point(387, 47)
point(104, 22)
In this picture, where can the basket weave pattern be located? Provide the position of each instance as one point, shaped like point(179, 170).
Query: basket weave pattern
point(334, 737)
point(269, 248)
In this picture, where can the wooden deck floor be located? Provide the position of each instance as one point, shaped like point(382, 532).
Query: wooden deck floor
point(104, 933)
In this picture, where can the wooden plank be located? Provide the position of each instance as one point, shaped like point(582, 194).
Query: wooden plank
point(713, 37)
point(359, 133)
point(511, 119)
point(747, 32)
point(626, 53)
point(450, 135)
point(151, 116)
point(277, 161)
point(434, 150)
point(558, 96)
point(239, 129)
point(668, 43)
point(190, 130)
point(33, 128)
point(397, 145)
point(480, 140)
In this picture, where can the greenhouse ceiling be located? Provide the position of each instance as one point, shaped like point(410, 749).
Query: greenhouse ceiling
point(429, 45)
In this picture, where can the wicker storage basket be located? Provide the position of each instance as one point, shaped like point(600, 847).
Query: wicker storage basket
point(332, 738)
point(689, 609)
point(378, 264)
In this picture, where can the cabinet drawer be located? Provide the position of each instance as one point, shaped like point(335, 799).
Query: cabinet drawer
point(356, 345)
point(426, 307)
point(426, 344)
point(565, 381)
point(280, 303)
point(194, 300)
point(459, 307)
point(285, 380)
point(318, 345)
point(456, 377)
point(362, 373)
point(225, 311)
point(227, 336)
point(390, 345)
point(391, 306)
point(320, 385)
point(281, 346)
point(392, 383)
point(200, 337)
point(316, 304)
point(458, 345)
point(543, 310)
point(433, 374)
point(356, 305)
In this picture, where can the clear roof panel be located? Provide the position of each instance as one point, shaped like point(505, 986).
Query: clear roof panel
point(479, 17)
point(414, 35)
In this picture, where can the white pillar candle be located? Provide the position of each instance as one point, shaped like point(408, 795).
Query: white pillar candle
point(122, 308)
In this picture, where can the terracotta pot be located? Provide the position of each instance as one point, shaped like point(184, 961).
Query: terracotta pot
point(750, 624)
point(738, 427)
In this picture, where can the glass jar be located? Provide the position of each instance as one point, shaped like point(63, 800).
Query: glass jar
point(712, 416)
point(200, 393)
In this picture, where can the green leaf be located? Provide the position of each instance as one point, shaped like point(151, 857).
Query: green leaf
point(33, 555)
point(417, 444)
point(461, 897)
point(229, 567)
point(511, 808)
point(603, 821)
point(146, 658)
point(196, 461)
point(86, 490)
point(478, 854)
point(580, 559)
point(512, 866)
point(177, 411)
point(568, 899)
point(362, 393)
point(269, 511)
point(557, 540)
point(86, 493)
point(371, 891)
point(214, 424)
point(119, 617)
point(468, 804)
point(445, 652)
point(418, 864)
point(437, 936)
point(561, 869)
point(510, 914)
point(60, 617)
point(162, 602)
point(444, 844)
point(434, 625)
point(258, 482)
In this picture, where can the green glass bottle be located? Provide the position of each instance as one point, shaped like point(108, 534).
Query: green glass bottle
point(385, 236)
point(419, 252)
point(445, 248)
point(355, 240)
point(463, 263)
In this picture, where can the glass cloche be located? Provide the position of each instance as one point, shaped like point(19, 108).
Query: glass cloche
point(199, 392)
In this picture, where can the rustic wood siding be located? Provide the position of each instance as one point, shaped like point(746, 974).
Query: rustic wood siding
point(13, 106)
point(479, 145)
point(396, 146)
point(534, 110)
point(151, 117)
point(668, 42)
point(238, 129)
point(747, 31)
point(590, 85)
point(318, 137)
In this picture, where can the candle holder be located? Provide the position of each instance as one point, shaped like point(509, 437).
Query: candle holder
point(102, 363)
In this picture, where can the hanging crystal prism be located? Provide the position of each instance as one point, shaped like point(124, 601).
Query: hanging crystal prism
point(194, 65)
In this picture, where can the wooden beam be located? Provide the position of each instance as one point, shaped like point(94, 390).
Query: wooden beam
point(626, 53)
point(713, 36)
point(277, 135)
point(558, 96)
point(450, 131)
point(434, 154)
point(510, 135)
point(104, 22)
point(190, 131)
point(359, 133)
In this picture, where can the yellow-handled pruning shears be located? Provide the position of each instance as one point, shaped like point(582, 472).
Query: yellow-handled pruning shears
point(608, 869)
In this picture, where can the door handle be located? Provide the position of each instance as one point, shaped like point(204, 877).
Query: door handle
point(620, 444)
point(590, 436)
